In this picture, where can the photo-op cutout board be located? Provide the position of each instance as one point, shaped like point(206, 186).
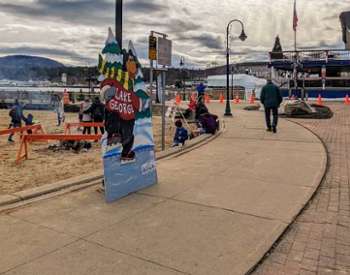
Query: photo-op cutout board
point(128, 145)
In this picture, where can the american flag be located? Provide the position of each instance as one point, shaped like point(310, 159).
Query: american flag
point(295, 17)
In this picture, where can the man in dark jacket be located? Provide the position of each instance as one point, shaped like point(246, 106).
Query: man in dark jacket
point(16, 115)
point(97, 111)
point(200, 108)
point(271, 99)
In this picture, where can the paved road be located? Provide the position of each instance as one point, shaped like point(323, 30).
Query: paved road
point(216, 210)
point(319, 240)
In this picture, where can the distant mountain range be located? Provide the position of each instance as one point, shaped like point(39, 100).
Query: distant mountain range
point(24, 67)
point(26, 61)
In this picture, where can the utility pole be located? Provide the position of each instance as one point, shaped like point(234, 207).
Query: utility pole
point(119, 22)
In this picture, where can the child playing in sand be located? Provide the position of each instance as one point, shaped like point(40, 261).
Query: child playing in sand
point(29, 121)
point(181, 134)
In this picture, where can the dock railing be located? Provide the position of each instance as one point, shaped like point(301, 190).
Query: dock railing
point(310, 55)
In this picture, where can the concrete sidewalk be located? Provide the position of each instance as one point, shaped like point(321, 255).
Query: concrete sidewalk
point(216, 210)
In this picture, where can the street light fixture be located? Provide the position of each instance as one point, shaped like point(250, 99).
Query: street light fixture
point(242, 37)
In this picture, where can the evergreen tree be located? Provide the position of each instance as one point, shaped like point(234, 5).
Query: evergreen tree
point(277, 52)
point(277, 47)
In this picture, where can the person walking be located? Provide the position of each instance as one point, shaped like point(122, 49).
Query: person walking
point(271, 99)
point(86, 116)
point(16, 115)
point(200, 90)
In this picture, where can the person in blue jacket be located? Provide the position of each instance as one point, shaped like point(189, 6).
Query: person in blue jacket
point(181, 134)
point(201, 90)
point(16, 115)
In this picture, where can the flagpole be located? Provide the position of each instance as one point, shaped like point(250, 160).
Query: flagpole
point(295, 24)
point(295, 62)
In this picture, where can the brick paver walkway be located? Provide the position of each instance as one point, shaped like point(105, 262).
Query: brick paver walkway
point(319, 240)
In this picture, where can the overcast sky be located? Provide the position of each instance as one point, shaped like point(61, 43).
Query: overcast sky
point(73, 31)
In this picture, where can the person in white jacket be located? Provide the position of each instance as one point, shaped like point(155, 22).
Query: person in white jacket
point(87, 116)
point(59, 109)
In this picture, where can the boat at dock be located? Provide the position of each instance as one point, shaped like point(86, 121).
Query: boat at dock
point(310, 73)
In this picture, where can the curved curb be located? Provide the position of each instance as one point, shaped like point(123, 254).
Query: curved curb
point(320, 178)
point(82, 182)
point(324, 169)
point(202, 140)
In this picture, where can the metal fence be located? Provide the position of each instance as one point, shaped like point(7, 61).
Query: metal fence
point(310, 55)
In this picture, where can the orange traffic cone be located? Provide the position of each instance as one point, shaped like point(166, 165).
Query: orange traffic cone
point(347, 100)
point(319, 100)
point(251, 99)
point(221, 98)
point(178, 99)
point(237, 100)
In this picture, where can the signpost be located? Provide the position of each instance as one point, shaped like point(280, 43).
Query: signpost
point(160, 50)
point(164, 51)
point(152, 50)
point(152, 55)
point(161, 74)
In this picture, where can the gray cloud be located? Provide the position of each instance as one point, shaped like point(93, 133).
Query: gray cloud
point(180, 25)
point(325, 44)
point(145, 6)
point(328, 28)
point(73, 31)
point(96, 39)
point(331, 17)
point(186, 11)
point(171, 25)
point(69, 40)
point(322, 45)
point(210, 41)
point(142, 40)
point(207, 40)
point(76, 11)
point(46, 51)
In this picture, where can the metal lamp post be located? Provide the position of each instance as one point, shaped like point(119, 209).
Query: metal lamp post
point(242, 37)
point(182, 64)
point(119, 22)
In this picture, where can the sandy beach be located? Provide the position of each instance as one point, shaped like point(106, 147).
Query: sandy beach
point(45, 166)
